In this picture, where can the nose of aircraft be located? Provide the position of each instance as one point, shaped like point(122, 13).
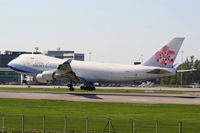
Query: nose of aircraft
point(10, 64)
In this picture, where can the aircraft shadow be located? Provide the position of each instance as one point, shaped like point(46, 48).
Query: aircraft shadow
point(93, 96)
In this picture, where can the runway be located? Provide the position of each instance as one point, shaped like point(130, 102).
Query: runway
point(105, 97)
point(113, 88)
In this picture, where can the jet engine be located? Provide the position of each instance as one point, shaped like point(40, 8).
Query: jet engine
point(48, 76)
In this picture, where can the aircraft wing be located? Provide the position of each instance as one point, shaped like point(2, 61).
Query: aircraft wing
point(67, 72)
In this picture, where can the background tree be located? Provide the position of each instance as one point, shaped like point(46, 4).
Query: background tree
point(188, 77)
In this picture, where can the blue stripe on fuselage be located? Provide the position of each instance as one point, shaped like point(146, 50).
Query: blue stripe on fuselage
point(24, 69)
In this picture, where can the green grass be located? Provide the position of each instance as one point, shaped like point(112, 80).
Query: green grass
point(103, 90)
point(144, 115)
point(100, 109)
point(97, 112)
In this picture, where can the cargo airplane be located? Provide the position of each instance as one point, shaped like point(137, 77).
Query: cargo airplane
point(47, 69)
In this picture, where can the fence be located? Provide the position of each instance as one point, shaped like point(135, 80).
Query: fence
point(63, 124)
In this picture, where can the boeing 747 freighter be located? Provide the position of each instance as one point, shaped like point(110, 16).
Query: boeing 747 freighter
point(47, 69)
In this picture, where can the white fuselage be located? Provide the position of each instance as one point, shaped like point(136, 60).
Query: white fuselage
point(87, 71)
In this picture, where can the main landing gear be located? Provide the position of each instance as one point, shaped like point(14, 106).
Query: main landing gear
point(88, 86)
point(70, 85)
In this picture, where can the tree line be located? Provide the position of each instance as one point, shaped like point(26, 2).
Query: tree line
point(187, 77)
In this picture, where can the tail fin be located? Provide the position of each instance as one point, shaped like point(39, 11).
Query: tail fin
point(166, 55)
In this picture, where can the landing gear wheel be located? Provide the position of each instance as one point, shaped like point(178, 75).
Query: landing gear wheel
point(93, 88)
point(82, 87)
point(71, 89)
point(89, 87)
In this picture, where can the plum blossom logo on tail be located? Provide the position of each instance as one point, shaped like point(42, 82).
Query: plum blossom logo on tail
point(164, 56)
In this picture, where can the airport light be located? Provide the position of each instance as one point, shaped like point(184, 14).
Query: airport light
point(36, 49)
point(90, 55)
point(141, 57)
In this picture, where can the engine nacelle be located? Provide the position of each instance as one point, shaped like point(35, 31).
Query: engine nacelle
point(47, 76)
point(40, 79)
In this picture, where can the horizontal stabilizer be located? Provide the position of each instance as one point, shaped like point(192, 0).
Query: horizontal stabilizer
point(188, 70)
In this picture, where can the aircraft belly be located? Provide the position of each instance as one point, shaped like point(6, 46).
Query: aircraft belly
point(105, 76)
point(118, 77)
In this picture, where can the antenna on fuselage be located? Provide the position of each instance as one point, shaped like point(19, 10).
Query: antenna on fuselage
point(90, 55)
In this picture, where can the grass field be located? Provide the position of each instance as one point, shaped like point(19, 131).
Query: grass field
point(97, 113)
point(144, 115)
point(98, 109)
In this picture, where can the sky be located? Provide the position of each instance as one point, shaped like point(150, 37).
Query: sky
point(117, 31)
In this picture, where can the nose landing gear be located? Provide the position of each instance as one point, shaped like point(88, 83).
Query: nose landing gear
point(71, 88)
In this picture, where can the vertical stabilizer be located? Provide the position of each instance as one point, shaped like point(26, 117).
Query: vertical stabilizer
point(166, 56)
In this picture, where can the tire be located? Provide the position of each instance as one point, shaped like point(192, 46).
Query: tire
point(82, 87)
point(71, 89)
point(69, 85)
point(93, 88)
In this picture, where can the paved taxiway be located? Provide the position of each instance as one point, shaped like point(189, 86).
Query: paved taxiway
point(105, 97)
point(125, 88)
